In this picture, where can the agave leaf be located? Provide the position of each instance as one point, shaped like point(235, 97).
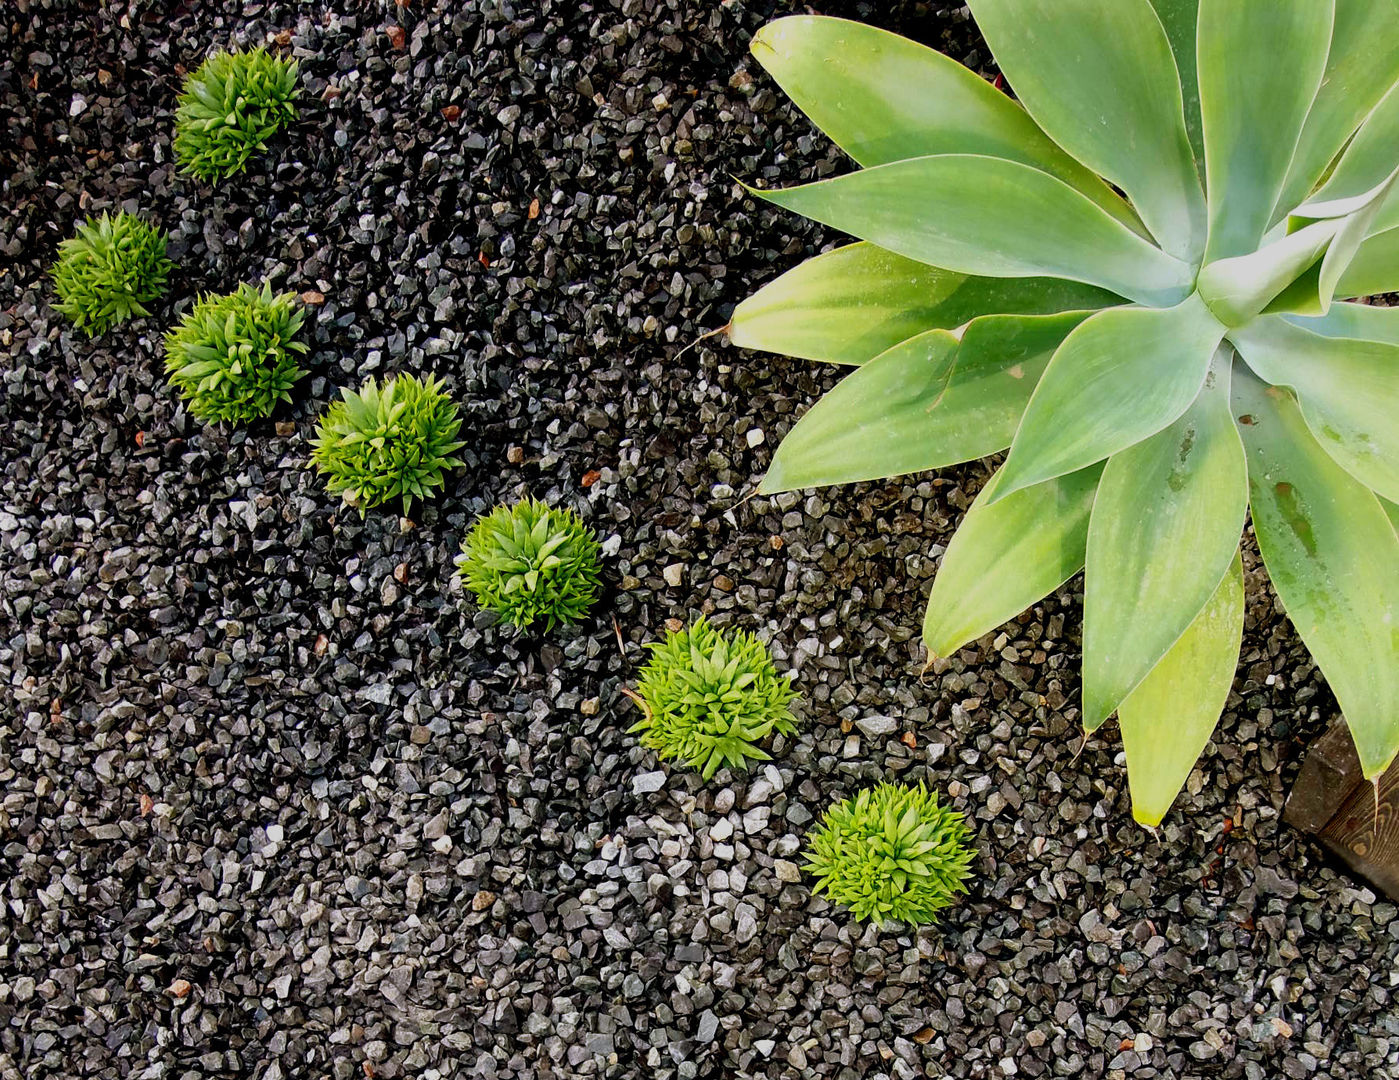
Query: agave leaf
point(1007, 555)
point(851, 304)
point(1362, 213)
point(1359, 74)
point(1099, 77)
point(1347, 390)
point(1166, 522)
point(1238, 288)
point(1392, 511)
point(1179, 17)
point(1168, 719)
point(1333, 556)
point(881, 98)
point(1370, 155)
point(934, 400)
point(1121, 376)
point(1340, 203)
point(990, 217)
point(1375, 267)
point(1260, 64)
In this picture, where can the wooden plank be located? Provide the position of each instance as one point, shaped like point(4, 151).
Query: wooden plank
point(1351, 818)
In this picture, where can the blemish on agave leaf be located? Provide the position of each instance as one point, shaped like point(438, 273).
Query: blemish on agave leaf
point(1290, 506)
point(1016, 372)
point(1179, 474)
point(1247, 420)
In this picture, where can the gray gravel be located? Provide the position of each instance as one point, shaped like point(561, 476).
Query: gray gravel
point(279, 803)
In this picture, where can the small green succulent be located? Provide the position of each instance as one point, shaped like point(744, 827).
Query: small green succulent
point(234, 357)
point(891, 852)
point(394, 441)
point(709, 697)
point(228, 110)
point(110, 271)
point(529, 562)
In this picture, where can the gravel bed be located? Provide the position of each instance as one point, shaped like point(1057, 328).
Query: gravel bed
point(278, 802)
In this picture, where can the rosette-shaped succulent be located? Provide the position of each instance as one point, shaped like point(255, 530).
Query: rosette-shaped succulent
point(234, 357)
point(531, 562)
point(110, 271)
point(393, 441)
point(891, 852)
point(228, 110)
point(709, 697)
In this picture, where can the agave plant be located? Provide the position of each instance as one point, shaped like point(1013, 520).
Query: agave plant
point(1137, 278)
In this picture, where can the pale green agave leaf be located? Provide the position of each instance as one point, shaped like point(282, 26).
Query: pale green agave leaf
point(1120, 377)
point(1006, 556)
point(1358, 76)
point(1362, 322)
point(849, 305)
point(1179, 18)
point(883, 98)
point(1347, 390)
point(1166, 522)
point(935, 400)
point(1333, 556)
point(1168, 719)
point(1260, 65)
point(1061, 55)
point(1370, 156)
point(1362, 214)
point(993, 218)
point(1375, 267)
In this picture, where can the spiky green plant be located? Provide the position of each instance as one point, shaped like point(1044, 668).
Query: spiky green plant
point(709, 697)
point(234, 357)
point(389, 442)
point(891, 852)
point(1157, 362)
point(110, 271)
point(531, 562)
point(229, 108)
